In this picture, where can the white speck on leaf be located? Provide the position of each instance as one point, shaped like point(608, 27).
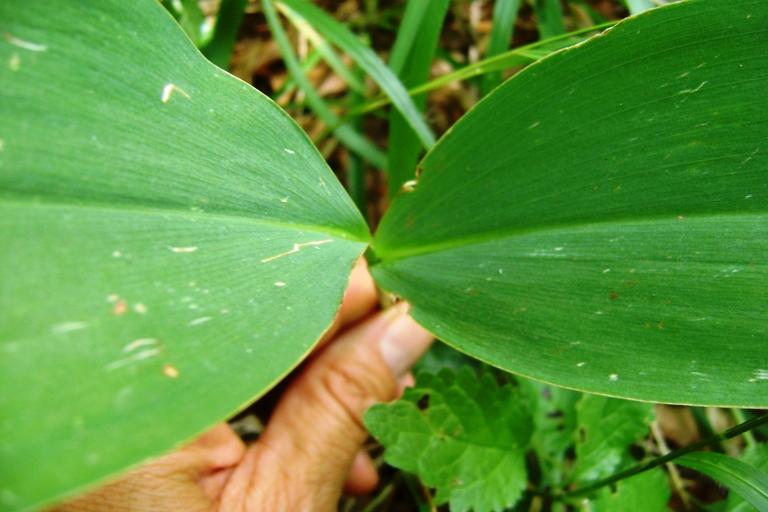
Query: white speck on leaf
point(198, 321)
point(140, 308)
point(168, 90)
point(613, 377)
point(580, 364)
point(691, 91)
point(534, 125)
point(760, 374)
point(182, 249)
point(68, 327)
point(14, 63)
point(296, 248)
point(143, 342)
point(322, 183)
point(289, 151)
point(144, 354)
point(558, 248)
point(606, 271)
point(116, 254)
point(27, 45)
point(284, 200)
point(279, 283)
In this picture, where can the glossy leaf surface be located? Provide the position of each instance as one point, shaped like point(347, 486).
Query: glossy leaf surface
point(172, 243)
point(599, 221)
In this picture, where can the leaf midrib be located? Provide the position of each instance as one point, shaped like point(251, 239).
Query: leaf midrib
point(389, 256)
point(178, 212)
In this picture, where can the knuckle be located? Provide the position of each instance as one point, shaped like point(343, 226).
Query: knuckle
point(356, 387)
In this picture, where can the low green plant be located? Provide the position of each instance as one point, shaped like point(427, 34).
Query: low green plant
point(173, 244)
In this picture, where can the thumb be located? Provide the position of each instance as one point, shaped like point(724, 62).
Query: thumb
point(304, 456)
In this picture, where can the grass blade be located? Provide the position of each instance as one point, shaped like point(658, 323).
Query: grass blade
point(366, 59)
point(513, 58)
point(325, 49)
point(346, 134)
point(746, 480)
point(407, 34)
point(549, 15)
point(504, 15)
point(219, 48)
point(414, 50)
point(638, 6)
point(191, 19)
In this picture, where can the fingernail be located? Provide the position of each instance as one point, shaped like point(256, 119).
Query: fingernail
point(403, 342)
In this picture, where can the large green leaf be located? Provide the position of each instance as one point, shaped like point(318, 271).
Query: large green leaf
point(600, 221)
point(172, 243)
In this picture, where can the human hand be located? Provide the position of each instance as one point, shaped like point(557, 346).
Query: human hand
point(311, 448)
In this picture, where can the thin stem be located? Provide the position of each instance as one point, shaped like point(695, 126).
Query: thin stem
point(749, 437)
point(658, 461)
point(674, 474)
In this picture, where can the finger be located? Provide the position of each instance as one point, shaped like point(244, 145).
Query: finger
point(305, 454)
point(189, 479)
point(363, 476)
point(359, 300)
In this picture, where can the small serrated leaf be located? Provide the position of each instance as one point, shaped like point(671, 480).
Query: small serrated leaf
point(465, 436)
point(646, 492)
point(607, 427)
point(555, 418)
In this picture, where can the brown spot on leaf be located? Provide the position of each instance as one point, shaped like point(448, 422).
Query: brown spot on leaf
point(170, 371)
point(120, 308)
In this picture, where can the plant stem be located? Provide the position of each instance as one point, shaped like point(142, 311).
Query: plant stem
point(658, 461)
point(749, 437)
point(673, 472)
